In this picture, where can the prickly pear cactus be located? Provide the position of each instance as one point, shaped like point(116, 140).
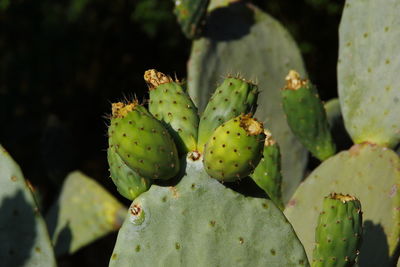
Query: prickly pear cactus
point(267, 174)
point(129, 183)
point(372, 174)
point(84, 212)
point(191, 14)
point(240, 38)
point(234, 149)
point(306, 116)
point(172, 105)
point(368, 66)
point(142, 142)
point(235, 96)
point(200, 222)
point(338, 232)
point(24, 239)
point(333, 112)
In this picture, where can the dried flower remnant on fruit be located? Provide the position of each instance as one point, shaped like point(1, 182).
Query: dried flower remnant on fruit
point(155, 78)
point(341, 197)
point(269, 141)
point(250, 125)
point(119, 109)
point(294, 81)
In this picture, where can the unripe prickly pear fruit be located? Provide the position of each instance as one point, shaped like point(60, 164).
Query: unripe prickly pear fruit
point(267, 174)
point(306, 116)
point(129, 183)
point(338, 233)
point(191, 16)
point(234, 149)
point(232, 98)
point(170, 104)
point(142, 142)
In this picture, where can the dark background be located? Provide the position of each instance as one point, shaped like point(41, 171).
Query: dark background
point(63, 62)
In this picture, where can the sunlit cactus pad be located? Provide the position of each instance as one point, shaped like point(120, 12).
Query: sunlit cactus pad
point(368, 70)
point(200, 222)
point(369, 173)
point(84, 212)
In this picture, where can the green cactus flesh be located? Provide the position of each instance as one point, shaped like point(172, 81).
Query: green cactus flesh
point(129, 183)
point(83, 213)
point(240, 37)
point(24, 239)
point(306, 116)
point(172, 105)
point(200, 223)
point(190, 15)
point(142, 142)
point(233, 97)
point(234, 149)
point(338, 233)
point(368, 70)
point(267, 174)
point(372, 174)
point(333, 112)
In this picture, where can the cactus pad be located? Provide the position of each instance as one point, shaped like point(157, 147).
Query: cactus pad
point(370, 173)
point(368, 71)
point(234, 149)
point(200, 222)
point(241, 38)
point(24, 240)
point(84, 212)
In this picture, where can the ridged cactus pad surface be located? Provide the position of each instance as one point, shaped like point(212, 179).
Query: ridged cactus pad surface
point(84, 212)
point(24, 240)
point(200, 222)
point(368, 69)
point(240, 38)
point(367, 172)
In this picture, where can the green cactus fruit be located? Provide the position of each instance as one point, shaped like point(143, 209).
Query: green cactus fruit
point(370, 172)
point(338, 233)
point(264, 51)
point(267, 174)
point(191, 15)
point(199, 222)
point(83, 213)
point(368, 71)
point(24, 240)
point(233, 97)
point(170, 104)
point(234, 149)
point(129, 183)
point(142, 142)
point(306, 116)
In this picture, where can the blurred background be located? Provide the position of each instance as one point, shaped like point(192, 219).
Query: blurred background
point(62, 64)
